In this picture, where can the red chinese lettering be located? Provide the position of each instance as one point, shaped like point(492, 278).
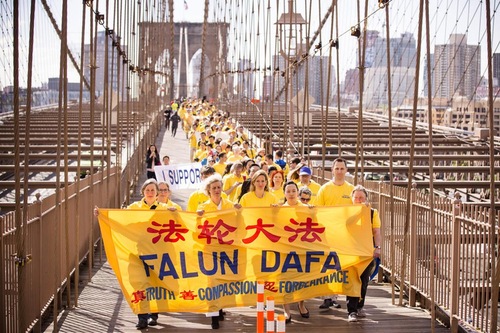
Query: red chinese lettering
point(138, 296)
point(188, 295)
point(309, 230)
point(260, 227)
point(219, 232)
point(171, 230)
point(271, 286)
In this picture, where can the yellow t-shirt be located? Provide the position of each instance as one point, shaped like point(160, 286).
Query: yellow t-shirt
point(279, 194)
point(196, 198)
point(332, 195)
point(314, 187)
point(170, 203)
point(193, 143)
point(210, 206)
point(251, 200)
point(220, 167)
point(298, 204)
point(376, 223)
point(141, 204)
point(228, 182)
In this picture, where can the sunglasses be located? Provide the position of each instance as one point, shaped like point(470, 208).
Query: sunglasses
point(305, 199)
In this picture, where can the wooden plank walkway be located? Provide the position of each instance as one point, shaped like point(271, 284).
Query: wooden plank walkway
point(102, 308)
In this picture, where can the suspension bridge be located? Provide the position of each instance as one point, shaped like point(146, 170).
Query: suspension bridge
point(407, 91)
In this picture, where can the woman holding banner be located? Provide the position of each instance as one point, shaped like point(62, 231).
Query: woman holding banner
point(149, 191)
point(291, 191)
point(213, 189)
point(164, 196)
point(259, 195)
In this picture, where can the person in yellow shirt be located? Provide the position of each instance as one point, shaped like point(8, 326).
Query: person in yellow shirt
point(305, 175)
point(251, 153)
point(199, 196)
point(149, 191)
point(269, 161)
point(220, 166)
point(236, 155)
point(291, 191)
point(232, 181)
point(335, 192)
point(215, 202)
point(355, 305)
point(201, 153)
point(277, 179)
point(259, 195)
point(164, 196)
point(193, 143)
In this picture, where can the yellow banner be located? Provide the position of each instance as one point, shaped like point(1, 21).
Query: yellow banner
point(181, 262)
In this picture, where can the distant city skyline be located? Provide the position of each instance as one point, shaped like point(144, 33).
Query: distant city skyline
point(403, 19)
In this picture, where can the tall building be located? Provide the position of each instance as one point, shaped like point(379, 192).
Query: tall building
point(496, 69)
point(100, 59)
point(456, 69)
point(403, 63)
point(318, 70)
point(246, 79)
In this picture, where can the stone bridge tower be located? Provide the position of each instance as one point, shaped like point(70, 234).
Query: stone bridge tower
point(183, 79)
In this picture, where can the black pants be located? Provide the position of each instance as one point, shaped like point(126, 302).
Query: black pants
point(355, 303)
point(174, 129)
point(146, 316)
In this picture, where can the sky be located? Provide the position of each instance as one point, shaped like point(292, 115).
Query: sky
point(447, 17)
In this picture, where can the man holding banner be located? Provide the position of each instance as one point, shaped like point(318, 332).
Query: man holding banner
point(333, 193)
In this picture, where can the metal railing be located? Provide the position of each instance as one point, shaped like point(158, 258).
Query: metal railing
point(60, 236)
point(457, 280)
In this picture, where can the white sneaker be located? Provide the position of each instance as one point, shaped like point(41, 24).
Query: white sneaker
point(361, 313)
point(353, 316)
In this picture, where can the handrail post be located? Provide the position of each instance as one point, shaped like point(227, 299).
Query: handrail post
point(455, 264)
point(412, 294)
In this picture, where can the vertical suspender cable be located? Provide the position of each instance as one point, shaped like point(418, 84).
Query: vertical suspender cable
point(58, 226)
point(63, 78)
point(27, 150)
point(391, 158)
point(78, 163)
point(306, 104)
point(203, 40)
point(93, 67)
point(106, 103)
point(359, 137)
point(412, 154)
point(431, 167)
point(325, 101)
point(117, 17)
point(171, 49)
point(495, 265)
point(130, 123)
point(17, 166)
point(339, 114)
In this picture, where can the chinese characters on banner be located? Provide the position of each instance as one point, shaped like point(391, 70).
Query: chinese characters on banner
point(178, 261)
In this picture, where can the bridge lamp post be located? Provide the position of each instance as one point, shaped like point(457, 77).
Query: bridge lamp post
point(290, 26)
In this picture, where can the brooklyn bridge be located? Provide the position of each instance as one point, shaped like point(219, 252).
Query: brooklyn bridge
point(407, 92)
